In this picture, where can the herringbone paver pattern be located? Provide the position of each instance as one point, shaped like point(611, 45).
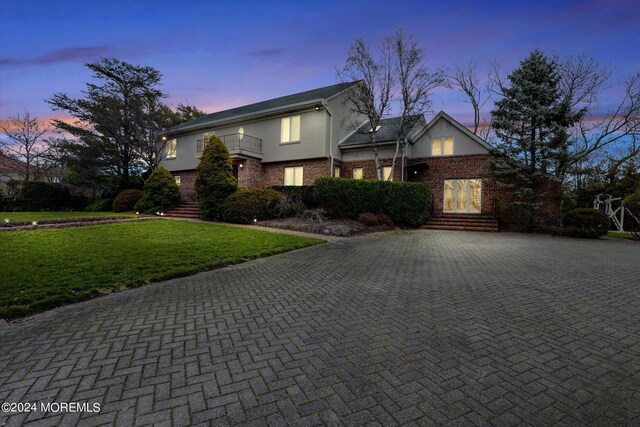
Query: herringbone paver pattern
point(430, 327)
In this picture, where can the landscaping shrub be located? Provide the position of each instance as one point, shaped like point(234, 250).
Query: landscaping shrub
point(404, 202)
point(585, 222)
point(304, 193)
point(44, 196)
point(244, 206)
point(290, 204)
point(632, 222)
point(368, 219)
point(161, 192)
point(214, 179)
point(126, 200)
point(100, 205)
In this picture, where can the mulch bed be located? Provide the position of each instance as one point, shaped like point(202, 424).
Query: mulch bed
point(69, 222)
point(327, 227)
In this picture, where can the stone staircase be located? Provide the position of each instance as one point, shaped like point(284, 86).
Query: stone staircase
point(466, 222)
point(185, 210)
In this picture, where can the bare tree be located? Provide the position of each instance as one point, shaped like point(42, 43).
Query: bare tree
point(582, 81)
point(465, 78)
point(370, 98)
point(24, 142)
point(415, 84)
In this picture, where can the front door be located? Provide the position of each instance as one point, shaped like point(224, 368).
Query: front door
point(462, 195)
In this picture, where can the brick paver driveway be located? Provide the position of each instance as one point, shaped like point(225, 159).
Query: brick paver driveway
point(427, 326)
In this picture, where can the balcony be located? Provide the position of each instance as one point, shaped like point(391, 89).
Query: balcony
point(237, 144)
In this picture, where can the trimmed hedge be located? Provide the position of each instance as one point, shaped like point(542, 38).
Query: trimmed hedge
point(406, 203)
point(161, 192)
point(100, 205)
point(39, 196)
point(244, 206)
point(126, 200)
point(585, 222)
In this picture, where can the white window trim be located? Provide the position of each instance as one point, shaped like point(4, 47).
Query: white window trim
point(289, 138)
point(455, 196)
point(170, 155)
point(442, 141)
point(295, 170)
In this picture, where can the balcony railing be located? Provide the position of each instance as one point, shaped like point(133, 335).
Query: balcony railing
point(236, 143)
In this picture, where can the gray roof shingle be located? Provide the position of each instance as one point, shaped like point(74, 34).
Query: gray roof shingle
point(258, 107)
point(386, 133)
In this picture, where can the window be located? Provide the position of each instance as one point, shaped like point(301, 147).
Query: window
point(241, 133)
point(171, 149)
point(357, 173)
point(386, 173)
point(200, 143)
point(290, 129)
point(442, 146)
point(462, 195)
point(177, 177)
point(336, 171)
point(293, 176)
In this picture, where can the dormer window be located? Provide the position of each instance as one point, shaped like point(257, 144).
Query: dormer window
point(377, 129)
point(290, 129)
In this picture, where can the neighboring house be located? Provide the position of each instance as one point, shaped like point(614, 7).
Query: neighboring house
point(293, 140)
point(10, 170)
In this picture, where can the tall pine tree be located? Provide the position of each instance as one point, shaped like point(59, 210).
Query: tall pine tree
point(531, 122)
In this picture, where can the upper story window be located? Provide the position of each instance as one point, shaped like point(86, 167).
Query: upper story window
point(442, 146)
point(294, 175)
point(171, 149)
point(290, 129)
point(241, 133)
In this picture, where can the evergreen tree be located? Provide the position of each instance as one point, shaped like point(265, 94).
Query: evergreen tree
point(214, 179)
point(531, 122)
point(161, 192)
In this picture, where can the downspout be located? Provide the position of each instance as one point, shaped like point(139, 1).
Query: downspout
point(402, 169)
point(326, 107)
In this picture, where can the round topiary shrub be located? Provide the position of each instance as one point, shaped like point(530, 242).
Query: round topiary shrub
point(161, 192)
point(100, 205)
point(126, 200)
point(214, 179)
point(244, 206)
point(585, 222)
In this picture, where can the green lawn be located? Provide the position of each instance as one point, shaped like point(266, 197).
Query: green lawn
point(617, 235)
point(45, 268)
point(47, 216)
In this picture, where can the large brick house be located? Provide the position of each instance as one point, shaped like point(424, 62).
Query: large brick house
point(294, 139)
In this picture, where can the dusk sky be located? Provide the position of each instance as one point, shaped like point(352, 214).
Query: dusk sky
point(218, 55)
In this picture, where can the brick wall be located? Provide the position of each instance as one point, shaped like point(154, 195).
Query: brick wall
point(369, 168)
point(251, 174)
point(187, 178)
point(440, 169)
point(274, 172)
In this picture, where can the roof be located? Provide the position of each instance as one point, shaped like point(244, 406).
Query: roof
point(458, 125)
point(306, 97)
point(7, 164)
point(386, 133)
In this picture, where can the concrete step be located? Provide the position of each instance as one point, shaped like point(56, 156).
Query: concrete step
point(472, 220)
point(459, 227)
point(182, 215)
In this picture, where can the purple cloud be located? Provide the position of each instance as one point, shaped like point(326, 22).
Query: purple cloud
point(70, 54)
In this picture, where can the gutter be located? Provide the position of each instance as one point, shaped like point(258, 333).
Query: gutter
point(326, 107)
point(239, 118)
